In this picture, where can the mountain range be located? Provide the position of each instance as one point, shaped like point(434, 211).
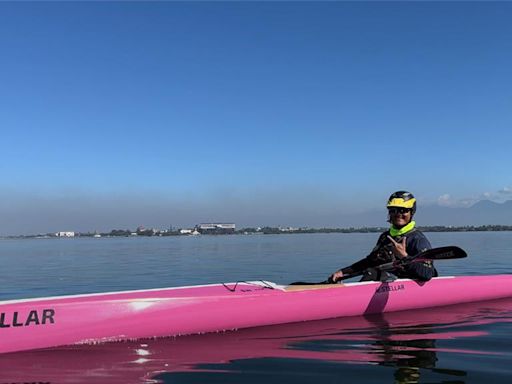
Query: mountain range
point(484, 212)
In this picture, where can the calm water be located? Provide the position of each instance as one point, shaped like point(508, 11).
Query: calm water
point(465, 344)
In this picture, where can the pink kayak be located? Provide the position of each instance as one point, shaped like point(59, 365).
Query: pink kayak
point(93, 318)
point(385, 338)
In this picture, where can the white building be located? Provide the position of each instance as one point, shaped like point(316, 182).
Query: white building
point(65, 234)
point(216, 228)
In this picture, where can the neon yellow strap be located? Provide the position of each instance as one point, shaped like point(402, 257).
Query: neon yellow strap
point(402, 231)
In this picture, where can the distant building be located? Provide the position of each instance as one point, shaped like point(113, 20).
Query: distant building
point(216, 228)
point(65, 234)
point(288, 229)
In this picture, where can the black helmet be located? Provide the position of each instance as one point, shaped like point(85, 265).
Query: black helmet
point(402, 199)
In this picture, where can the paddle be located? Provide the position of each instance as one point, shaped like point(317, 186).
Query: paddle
point(441, 253)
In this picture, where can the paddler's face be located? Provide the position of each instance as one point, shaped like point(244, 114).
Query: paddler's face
point(400, 216)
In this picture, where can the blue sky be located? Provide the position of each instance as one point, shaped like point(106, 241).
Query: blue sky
point(289, 113)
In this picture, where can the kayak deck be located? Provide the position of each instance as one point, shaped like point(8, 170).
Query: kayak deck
point(299, 287)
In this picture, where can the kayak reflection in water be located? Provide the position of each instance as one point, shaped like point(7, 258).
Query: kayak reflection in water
point(401, 240)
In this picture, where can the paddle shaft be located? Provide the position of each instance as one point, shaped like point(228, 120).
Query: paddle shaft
point(440, 253)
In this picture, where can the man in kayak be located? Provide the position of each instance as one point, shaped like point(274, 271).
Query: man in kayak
point(401, 240)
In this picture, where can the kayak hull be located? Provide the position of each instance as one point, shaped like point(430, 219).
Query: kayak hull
point(49, 322)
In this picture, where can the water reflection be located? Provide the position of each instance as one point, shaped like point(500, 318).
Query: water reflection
point(403, 347)
point(407, 355)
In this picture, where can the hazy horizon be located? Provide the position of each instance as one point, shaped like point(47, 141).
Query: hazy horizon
point(82, 215)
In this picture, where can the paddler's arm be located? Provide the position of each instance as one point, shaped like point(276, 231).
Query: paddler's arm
point(361, 265)
point(422, 271)
point(358, 266)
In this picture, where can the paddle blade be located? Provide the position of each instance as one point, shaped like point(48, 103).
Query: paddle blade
point(442, 253)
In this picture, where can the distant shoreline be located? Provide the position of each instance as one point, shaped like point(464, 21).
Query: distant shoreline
point(270, 231)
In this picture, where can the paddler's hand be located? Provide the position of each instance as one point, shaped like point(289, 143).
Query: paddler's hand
point(335, 277)
point(400, 247)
